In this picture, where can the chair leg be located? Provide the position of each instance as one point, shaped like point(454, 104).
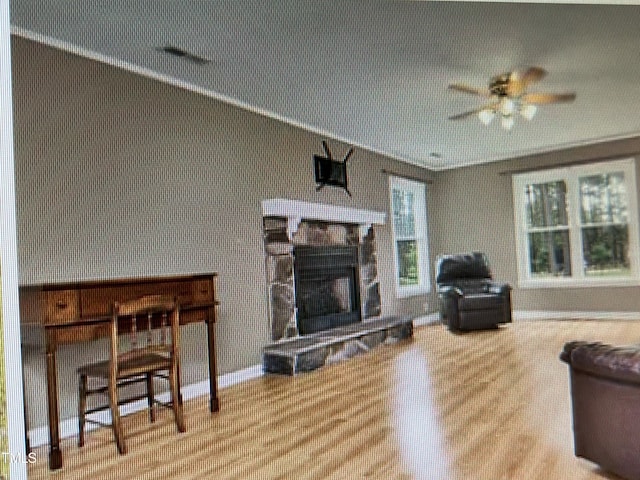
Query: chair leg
point(82, 407)
point(150, 398)
point(175, 398)
point(116, 424)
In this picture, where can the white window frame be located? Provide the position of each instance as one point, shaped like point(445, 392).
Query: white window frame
point(570, 175)
point(419, 191)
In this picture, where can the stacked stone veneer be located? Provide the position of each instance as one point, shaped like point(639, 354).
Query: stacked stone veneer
point(315, 351)
point(280, 238)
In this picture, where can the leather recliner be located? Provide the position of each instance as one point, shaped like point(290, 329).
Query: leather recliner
point(469, 298)
point(605, 399)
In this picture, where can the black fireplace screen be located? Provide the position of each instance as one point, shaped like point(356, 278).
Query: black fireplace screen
point(327, 293)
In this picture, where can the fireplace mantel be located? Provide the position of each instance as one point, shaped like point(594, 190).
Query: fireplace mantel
point(295, 211)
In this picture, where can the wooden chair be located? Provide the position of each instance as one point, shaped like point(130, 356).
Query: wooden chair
point(140, 360)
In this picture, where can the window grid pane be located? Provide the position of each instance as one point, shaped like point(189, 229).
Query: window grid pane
point(408, 269)
point(550, 254)
point(603, 199)
point(404, 214)
point(606, 251)
point(546, 204)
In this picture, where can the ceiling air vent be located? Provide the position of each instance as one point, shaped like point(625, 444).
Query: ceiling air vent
point(178, 52)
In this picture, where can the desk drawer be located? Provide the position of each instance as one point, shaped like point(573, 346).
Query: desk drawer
point(202, 291)
point(61, 306)
point(97, 301)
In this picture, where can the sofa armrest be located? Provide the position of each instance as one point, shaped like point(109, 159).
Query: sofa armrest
point(569, 347)
point(621, 363)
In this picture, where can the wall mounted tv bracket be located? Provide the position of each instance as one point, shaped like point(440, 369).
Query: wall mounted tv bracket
point(329, 171)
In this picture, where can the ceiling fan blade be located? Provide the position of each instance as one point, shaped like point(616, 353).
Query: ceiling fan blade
point(533, 74)
point(547, 98)
point(518, 81)
point(483, 92)
point(461, 116)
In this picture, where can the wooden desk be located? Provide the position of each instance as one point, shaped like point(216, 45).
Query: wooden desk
point(80, 312)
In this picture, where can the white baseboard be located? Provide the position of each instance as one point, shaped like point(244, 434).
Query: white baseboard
point(429, 319)
point(524, 315)
point(234, 378)
point(69, 428)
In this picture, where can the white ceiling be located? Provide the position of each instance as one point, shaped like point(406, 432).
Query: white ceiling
point(374, 73)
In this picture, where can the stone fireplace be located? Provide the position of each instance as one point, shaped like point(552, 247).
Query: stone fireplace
point(321, 266)
point(323, 287)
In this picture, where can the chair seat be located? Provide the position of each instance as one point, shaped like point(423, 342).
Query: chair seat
point(482, 301)
point(149, 362)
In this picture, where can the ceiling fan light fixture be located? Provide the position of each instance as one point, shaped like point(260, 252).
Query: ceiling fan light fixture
point(486, 115)
point(528, 111)
point(508, 97)
point(507, 106)
point(507, 122)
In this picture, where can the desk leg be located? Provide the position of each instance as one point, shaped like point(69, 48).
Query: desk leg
point(213, 371)
point(55, 455)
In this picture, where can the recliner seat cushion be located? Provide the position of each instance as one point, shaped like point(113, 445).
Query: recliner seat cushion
point(481, 302)
point(470, 287)
point(477, 320)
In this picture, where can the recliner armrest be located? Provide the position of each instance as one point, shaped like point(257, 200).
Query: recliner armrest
point(499, 288)
point(450, 291)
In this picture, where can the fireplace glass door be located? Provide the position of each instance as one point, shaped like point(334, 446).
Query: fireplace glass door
point(327, 283)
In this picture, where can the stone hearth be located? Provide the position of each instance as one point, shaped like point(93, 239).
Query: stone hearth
point(314, 351)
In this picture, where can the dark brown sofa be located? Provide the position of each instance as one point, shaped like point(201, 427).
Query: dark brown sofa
point(605, 396)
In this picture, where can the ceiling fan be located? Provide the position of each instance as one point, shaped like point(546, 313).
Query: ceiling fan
point(507, 95)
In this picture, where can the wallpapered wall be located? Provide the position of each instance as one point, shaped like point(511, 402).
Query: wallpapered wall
point(120, 176)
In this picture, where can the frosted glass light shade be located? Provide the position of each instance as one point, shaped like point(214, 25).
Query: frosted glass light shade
point(528, 111)
point(507, 122)
point(507, 106)
point(486, 116)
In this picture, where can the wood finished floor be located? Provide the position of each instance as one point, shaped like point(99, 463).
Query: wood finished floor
point(501, 399)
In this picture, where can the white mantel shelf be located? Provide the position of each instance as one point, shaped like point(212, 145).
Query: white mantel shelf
point(295, 209)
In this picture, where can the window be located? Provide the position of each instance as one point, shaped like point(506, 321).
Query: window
point(409, 210)
point(577, 225)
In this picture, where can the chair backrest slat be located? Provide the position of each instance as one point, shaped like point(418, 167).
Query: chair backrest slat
point(134, 332)
point(155, 312)
point(149, 329)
